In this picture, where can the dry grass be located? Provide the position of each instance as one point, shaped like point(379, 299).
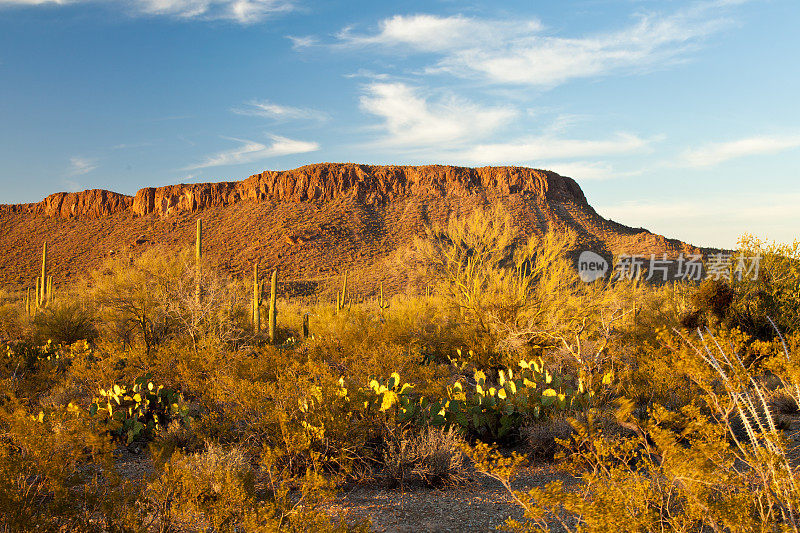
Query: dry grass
point(433, 457)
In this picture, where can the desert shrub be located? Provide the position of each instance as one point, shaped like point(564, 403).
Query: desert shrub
point(151, 299)
point(227, 490)
point(361, 343)
point(293, 406)
point(521, 295)
point(681, 470)
point(647, 367)
point(543, 436)
point(221, 317)
point(432, 456)
point(774, 294)
point(131, 296)
point(714, 297)
point(13, 320)
point(29, 371)
point(471, 262)
point(64, 322)
point(180, 436)
point(214, 488)
point(57, 471)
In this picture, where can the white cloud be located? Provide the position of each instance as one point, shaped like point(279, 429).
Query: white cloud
point(370, 75)
point(79, 166)
point(251, 151)
point(519, 52)
point(715, 153)
point(300, 42)
point(553, 148)
point(241, 11)
point(34, 2)
point(271, 110)
point(73, 186)
point(449, 128)
point(718, 223)
point(586, 170)
point(431, 33)
point(411, 120)
point(752, 207)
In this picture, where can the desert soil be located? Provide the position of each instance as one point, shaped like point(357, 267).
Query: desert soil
point(475, 505)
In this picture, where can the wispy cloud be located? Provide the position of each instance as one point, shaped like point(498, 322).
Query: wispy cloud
point(73, 186)
point(520, 52)
point(241, 11)
point(79, 166)
point(279, 112)
point(300, 42)
point(128, 146)
point(250, 151)
point(444, 127)
point(750, 207)
point(717, 223)
point(716, 153)
point(410, 119)
point(35, 2)
point(432, 33)
point(588, 170)
point(549, 148)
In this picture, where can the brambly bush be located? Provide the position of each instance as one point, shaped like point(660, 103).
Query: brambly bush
point(719, 463)
point(155, 360)
point(771, 293)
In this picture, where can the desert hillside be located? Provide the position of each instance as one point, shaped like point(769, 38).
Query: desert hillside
point(312, 222)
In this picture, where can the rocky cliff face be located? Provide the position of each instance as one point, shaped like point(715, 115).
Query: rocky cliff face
point(371, 185)
point(311, 223)
point(93, 203)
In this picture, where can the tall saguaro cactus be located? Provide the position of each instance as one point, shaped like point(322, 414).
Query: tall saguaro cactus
point(198, 255)
point(382, 304)
point(273, 312)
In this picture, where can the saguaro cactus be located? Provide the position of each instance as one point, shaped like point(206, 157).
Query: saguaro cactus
point(256, 300)
point(273, 312)
point(49, 288)
point(198, 255)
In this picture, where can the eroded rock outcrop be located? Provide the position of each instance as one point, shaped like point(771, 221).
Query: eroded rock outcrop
point(93, 203)
point(375, 185)
point(311, 223)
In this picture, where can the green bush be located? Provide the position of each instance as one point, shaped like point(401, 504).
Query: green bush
point(774, 294)
point(64, 322)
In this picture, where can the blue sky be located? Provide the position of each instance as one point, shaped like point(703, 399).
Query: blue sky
point(676, 116)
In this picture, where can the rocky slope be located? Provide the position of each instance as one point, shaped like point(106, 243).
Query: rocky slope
point(311, 222)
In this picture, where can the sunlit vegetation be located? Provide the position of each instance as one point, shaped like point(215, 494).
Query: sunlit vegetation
point(674, 406)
